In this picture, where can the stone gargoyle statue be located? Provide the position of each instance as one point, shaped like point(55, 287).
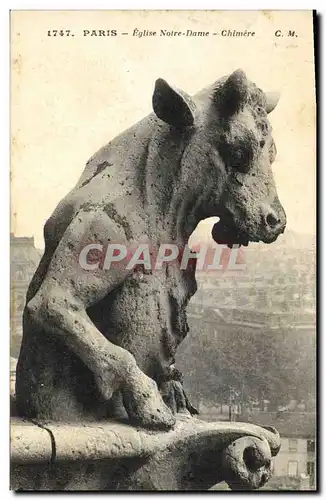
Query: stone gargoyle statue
point(99, 341)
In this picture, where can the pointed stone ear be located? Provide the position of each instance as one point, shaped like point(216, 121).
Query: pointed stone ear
point(272, 99)
point(173, 106)
point(234, 94)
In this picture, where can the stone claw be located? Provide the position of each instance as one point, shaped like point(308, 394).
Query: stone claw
point(145, 406)
point(175, 397)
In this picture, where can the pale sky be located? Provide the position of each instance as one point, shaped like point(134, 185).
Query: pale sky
point(72, 95)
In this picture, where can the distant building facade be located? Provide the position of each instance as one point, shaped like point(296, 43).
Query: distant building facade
point(297, 457)
point(24, 261)
point(275, 278)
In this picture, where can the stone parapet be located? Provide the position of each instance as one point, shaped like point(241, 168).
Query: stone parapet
point(112, 455)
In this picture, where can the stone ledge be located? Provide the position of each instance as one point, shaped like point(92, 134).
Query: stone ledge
point(29, 443)
point(195, 455)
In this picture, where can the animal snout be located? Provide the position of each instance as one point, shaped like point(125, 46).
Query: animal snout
point(274, 219)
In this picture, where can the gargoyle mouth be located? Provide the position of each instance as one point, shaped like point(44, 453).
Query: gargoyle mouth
point(226, 233)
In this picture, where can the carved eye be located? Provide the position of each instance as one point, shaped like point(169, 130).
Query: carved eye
point(240, 160)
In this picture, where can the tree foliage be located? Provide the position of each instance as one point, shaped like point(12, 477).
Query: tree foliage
point(273, 364)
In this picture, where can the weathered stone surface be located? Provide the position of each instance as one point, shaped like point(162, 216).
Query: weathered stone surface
point(101, 342)
point(29, 443)
point(97, 343)
point(96, 441)
point(195, 455)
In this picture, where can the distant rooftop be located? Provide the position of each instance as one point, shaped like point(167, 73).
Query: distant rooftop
point(23, 251)
point(21, 240)
point(289, 424)
point(253, 318)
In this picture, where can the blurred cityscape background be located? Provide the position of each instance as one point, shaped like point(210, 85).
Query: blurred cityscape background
point(251, 350)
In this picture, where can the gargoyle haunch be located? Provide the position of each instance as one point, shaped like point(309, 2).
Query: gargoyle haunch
point(98, 342)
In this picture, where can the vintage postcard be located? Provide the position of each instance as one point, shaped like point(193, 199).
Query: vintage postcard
point(163, 247)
